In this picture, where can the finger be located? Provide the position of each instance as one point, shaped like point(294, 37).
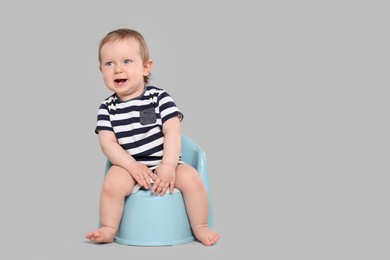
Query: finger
point(160, 188)
point(155, 185)
point(153, 176)
point(164, 189)
point(141, 181)
point(171, 186)
point(147, 181)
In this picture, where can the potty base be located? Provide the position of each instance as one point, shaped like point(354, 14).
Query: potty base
point(150, 220)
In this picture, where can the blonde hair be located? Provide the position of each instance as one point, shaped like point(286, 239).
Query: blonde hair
point(123, 34)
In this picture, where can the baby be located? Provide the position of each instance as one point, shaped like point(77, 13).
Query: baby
point(139, 132)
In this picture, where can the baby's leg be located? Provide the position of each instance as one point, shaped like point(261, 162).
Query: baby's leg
point(118, 184)
point(188, 181)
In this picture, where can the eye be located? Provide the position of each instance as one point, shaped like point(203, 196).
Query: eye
point(127, 61)
point(108, 63)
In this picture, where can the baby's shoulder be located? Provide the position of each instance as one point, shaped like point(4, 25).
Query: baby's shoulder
point(154, 89)
point(110, 100)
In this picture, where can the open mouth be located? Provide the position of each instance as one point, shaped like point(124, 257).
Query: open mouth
point(120, 81)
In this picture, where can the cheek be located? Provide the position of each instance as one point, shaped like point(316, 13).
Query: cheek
point(107, 80)
point(106, 76)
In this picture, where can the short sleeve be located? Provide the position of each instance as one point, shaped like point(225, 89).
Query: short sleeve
point(103, 119)
point(167, 107)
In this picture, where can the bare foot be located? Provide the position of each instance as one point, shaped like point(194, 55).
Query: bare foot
point(206, 236)
point(102, 235)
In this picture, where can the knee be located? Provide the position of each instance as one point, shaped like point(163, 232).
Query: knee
point(116, 183)
point(110, 188)
point(192, 182)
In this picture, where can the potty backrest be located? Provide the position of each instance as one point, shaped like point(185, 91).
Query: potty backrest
point(194, 155)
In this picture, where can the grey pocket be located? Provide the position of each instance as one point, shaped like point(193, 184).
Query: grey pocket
point(148, 116)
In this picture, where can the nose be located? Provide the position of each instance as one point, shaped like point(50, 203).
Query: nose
point(118, 69)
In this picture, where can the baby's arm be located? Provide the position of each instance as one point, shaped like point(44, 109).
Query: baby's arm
point(118, 156)
point(172, 146)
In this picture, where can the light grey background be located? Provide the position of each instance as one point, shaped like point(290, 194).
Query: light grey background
point(288, 98)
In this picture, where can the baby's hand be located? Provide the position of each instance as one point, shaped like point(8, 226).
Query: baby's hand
point(142, 174)
point(165, 179)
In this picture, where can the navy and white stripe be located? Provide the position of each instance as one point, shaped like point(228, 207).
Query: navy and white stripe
point(141, 139)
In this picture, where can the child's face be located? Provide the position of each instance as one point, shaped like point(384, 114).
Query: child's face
point(123, 68)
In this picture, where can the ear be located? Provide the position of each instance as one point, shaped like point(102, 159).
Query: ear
point(148, 67)
point(100, 68)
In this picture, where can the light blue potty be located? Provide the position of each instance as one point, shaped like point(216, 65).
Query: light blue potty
point(150, 220)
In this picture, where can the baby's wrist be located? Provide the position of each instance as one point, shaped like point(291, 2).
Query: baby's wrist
point(169, 164)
